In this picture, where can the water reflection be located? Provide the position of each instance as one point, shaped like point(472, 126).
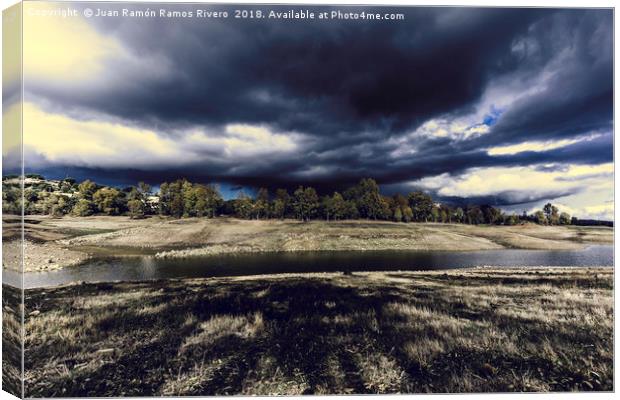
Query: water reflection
point(147, 268)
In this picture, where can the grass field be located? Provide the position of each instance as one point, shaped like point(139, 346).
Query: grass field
point(467, 330)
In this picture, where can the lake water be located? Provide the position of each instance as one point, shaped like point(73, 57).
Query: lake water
point(148, 268)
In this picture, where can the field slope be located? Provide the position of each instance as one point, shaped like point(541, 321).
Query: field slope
point(56, 243)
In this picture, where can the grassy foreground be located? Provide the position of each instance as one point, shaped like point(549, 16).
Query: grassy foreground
point(468, 330)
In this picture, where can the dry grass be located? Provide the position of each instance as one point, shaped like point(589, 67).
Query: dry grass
point(11, 340)
point(470, 330)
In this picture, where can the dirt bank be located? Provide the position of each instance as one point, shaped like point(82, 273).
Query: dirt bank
point(81, 237)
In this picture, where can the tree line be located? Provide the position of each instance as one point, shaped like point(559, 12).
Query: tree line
point(182, 198)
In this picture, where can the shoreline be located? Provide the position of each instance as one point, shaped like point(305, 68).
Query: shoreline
point(539, 269)
point(69, 241)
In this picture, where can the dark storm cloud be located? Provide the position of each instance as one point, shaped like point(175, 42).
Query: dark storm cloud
point(355, 89)
point(317, 77)
point(504, 198)
point(577, 96)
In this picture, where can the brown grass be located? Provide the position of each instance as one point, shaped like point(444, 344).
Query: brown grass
point(11, 340)
point(488, 330)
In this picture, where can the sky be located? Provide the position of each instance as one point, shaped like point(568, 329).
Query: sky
point(509, 107)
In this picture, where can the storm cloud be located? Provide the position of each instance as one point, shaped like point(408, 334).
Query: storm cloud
point(399, 101)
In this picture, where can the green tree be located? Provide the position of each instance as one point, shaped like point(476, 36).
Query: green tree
point(407, 214)
point(144, 189)
point(281, 203)
point(398, 214)
point(338, 207)
point(511, 219)
point(565, 219)
point(189, 199)
point(83, 208)
point(261, 204)
point(243, 206)
point(108, 201)
point(370, 203)
point(474, 215)
point(551, 213)
point(351, 211)
point(305, 203)
point(279, 208)
point(491, 214)
point(136, 209)
point(422, 206)
point(87, 189)
point(554, 219)
point(207, 200)
point(540, 217)
point(56, 205)
point(326, 207)
point(174, 201)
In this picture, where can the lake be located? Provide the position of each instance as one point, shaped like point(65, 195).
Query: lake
point(148, 267)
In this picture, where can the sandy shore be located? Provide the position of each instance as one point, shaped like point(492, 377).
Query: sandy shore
point(56, 243)
point(47, 256)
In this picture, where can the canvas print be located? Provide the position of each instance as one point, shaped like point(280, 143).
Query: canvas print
point(260, 199)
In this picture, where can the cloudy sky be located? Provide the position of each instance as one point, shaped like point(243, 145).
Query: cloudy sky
point(511, 107)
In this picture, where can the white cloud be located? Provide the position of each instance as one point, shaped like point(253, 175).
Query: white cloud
point(98, 143)
point(583, 190)
point(538, 146)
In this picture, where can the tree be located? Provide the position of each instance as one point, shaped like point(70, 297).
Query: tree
point(351, 211)
point(540, 218)
point(459, 214)
point(175, 203)
point(407, 214)
point(511, 219)
point(66, 186)
point(325, 207)
point(565, 219)
point(56, 205)
point(281, 203)
point(369, 201)
point(136, 209)
point(83, 208)
point(86, 189)
point(144, 189)
point(261, 205)
point(474, 215)
point(491, 214)
point(422, 206)
point(551, 213)
point(279, 208)
point(107, 201)
point(555, 216)
point(243, 206)
point(338, 207)
point(214, 200)
point(305, 203)
point(188, 194)
point(398, 214)
point(445, 213)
